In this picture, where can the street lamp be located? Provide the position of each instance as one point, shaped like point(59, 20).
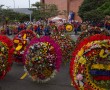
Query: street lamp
point(14, 3)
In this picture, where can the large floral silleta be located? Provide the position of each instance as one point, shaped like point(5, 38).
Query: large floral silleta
point(42, 59)
point(90, 65)
point(21, 40)
point(66, 44)
point(6, 55)
point(92, 31)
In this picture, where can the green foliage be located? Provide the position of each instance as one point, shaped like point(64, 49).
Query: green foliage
point(105, 8)
point(94, 9)
point(44, 11)
point(7, 15)
point(40, 10)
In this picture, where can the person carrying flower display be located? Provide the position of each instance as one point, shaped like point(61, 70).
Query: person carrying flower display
point(40, 29)
point(46, 30)
point(7, 30)
point(76, 25)
point(71, 16)
point(35, 28)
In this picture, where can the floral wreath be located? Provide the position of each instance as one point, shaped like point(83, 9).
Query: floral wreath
point(90, 65)
point(69, 27)
point(20, 42)
point(91, 32)
point(42, 59)
point(6, 52)
point(66, 45)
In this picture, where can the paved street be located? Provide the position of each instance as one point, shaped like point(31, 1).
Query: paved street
point(12, 80)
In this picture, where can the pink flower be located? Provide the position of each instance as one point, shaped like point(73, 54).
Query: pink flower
point(79, 77)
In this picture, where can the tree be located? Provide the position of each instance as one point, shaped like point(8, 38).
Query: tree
point(43, 11)
point(94, 9)
point(1, 6)
point(8, 15)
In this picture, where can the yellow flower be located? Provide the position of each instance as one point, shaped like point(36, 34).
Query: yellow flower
point(24, 36)
point(101, 66)
point(97, 66)
point(80, 53)
point(81, 87)
point(89, 44)
point(19, 47)
point(33, 59)
point(108, 67)
point(39, 57)
point(2, 49)
point(82, 60)
point(102, 54)
point(96, 42)
point(16, 41)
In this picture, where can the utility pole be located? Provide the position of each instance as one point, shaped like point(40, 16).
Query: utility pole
point(14, 3)
point(29, 4)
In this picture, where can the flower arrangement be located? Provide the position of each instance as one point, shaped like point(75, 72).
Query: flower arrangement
point(13, 29)
point(66, 44)
point(90, 32)
point(2, 31)
point(42, 59)
point(90, 65)
point(21, 40)
point(69, 27)
point(6, 53)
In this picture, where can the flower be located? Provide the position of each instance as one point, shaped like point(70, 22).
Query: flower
point(82, 60)
point(79, 77)
point(66, 44)
point(42, 59)
point(89, 66)
point(21, 40)
point(6, 52)
point(80, 53)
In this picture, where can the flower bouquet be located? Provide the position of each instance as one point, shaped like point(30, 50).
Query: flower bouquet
point(90, 32)
point(42, 59)
point(6, 53)
point(66, 44)
point(90, 65)
point(21, 40)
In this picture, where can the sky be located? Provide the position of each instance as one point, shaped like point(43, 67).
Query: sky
point(17, 3)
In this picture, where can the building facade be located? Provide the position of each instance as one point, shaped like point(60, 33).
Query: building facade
point(67, 5)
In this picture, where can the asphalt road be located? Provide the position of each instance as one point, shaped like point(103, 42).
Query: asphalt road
point(12, 80)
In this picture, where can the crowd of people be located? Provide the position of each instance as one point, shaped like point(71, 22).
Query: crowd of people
point(42, 27)
point(38, 27)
